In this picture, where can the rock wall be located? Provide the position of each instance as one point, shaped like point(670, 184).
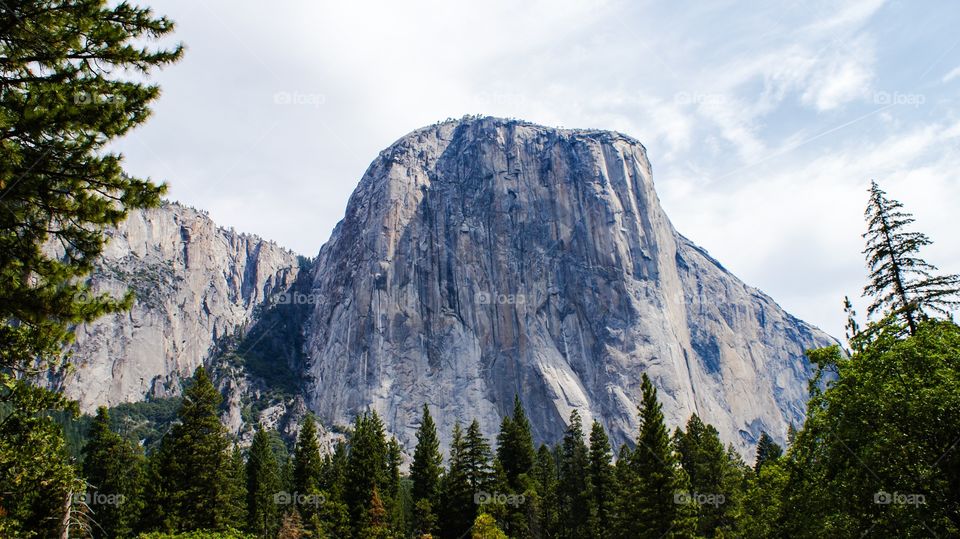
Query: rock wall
point(484, 258)
point(195, 284)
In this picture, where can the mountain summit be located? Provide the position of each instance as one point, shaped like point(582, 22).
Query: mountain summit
point(478, 259)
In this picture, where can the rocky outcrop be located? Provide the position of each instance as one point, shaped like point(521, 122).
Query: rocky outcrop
point(195, 284)
point(484, 258)
point(478, 259)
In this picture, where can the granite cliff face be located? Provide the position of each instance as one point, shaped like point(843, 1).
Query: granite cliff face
point(195, 284)
point(484, 258)
point(478, 259)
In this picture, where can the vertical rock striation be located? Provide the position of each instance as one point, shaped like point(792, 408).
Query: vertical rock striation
point(484, 258)
point(195, 284)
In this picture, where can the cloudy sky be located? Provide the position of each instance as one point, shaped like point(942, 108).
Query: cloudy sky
point(764, 123)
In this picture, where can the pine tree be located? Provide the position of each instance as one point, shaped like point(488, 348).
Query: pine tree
point(236, 510)
point(60, 189)
point(485, 527)
point(791, 434)
point(603, 485)
point(479, 460)
point(900, 281)
point(515, 450)
point(628, 486)
point(545, 479)
point(59, 184)
point(376, 521)
point(394, 486)
point(292, 525)
point(573, 488)
point(114, 470)
point(713, 477)
point(38, 480)
point(425, 473)
point(514, 461)
point(334, 513)
point(263, 485)
point(767, 451)
point(457, 507)
point(367, 465)
point(656, 481)
point(195, 467)
point(307, 465)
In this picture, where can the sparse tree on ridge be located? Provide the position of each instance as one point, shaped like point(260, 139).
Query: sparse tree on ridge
point(901, 283)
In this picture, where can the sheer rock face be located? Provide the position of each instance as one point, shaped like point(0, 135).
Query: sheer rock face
point(195, 283)
point(478, 259)
point(485, 258)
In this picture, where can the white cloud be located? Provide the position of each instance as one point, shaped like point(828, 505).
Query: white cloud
point(757, 117)
point(952, 74)
point(803, 219)
point(843, 78)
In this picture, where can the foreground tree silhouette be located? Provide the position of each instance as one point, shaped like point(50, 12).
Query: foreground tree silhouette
point(64, 98)
point(879, 448)
point(901, 283)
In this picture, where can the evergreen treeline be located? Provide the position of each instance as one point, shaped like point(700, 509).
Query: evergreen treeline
point(197, 480)
point(878, 455)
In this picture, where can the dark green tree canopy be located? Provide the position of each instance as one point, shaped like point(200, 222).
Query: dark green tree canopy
point(113, 468)
point(425, 473)
point(66, 93)
point(767, 451)
point(263, 484)
point(515, 451)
